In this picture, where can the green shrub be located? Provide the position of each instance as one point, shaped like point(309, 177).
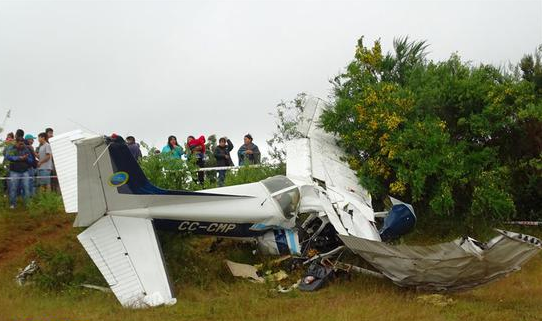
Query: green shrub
point(459, 141)
point(56, 267)
point(46, 203)
point(248, 174)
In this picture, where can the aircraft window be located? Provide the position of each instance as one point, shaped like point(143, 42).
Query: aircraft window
point(288, 201)
point(277, 183)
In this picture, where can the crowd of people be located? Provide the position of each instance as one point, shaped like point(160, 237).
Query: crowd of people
point(30, 169)
point(248, 153)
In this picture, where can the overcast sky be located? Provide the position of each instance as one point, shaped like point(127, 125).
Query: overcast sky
point(152, 69)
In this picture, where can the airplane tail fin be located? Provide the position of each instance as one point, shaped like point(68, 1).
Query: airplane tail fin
point(110, 179)
point(125, 249)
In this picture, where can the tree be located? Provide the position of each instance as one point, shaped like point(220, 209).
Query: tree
point(288, 115)
point(457, 140)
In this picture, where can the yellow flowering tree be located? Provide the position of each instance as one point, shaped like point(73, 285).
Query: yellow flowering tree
point(455, 139)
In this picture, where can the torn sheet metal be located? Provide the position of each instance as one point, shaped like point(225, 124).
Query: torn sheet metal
point(454, 266)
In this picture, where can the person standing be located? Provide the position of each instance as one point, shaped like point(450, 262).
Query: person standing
point(197, 150)
point(173, 148)
point(49, 132)
point(45, 163)
point(29, 141)
point(222, 156)
point(20, 161)
point(19, 133)
point(10, 136)
point(10, 140)
point(133, 147)
point(248, 153)
point(54, 182)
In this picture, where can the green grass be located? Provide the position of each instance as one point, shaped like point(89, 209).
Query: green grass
point(206, 291)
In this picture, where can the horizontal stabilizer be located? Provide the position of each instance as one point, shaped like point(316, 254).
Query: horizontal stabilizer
point(127, 253)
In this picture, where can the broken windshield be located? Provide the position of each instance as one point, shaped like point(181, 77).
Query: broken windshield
point(285, 192)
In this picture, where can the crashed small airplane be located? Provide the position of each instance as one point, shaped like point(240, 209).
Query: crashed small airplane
point(318, 205)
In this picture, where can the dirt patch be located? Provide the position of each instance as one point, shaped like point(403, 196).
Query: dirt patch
point(23, 231)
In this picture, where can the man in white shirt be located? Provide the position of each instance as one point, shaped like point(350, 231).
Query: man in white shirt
point(45, 163)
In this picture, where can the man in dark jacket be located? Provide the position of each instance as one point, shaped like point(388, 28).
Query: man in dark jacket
point(133, 147)
point(248, 153)
point(20, 162)
point(222, 156)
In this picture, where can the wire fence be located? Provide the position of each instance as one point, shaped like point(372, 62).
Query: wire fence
point(28, 177)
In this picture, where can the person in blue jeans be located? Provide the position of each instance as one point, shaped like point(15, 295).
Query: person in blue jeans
point(222, 156)
point(29, 141)
point(20, 160)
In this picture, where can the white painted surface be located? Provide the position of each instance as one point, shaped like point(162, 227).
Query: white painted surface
point(126, 252)
point(65, 158)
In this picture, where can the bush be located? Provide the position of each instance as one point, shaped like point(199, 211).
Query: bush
point(46, 203)
point(248, 174)
point(167, 172)
point(180, 174)
point(56, 268)
point(459, 141)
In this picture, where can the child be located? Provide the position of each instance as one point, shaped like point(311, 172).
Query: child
point(197, 149)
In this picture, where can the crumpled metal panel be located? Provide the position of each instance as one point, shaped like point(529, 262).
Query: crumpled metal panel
point(454, 266)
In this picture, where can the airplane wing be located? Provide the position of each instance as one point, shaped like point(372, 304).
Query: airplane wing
point(317, 155)
point(127, 253)
point(454, 266)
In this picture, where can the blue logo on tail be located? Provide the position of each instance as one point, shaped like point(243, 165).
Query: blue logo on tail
point(118, 179)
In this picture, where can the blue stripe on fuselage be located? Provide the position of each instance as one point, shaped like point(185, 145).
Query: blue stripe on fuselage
point(291, 239)
point(282, 243)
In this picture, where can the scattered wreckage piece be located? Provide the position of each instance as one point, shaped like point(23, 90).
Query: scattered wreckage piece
point(454, 266)
point(96, 287)
point(244, 270)
point(28, 271)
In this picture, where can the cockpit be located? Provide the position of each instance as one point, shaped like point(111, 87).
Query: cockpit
point(284, 192)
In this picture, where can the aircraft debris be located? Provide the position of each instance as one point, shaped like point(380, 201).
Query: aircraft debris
point(28, 271)
point(245, 271)
point(276, 277)
point(316, 277)
point(454, 266)
point(96, 287)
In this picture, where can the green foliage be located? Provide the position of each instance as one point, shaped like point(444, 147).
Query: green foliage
point(457, 140)
point(248, 174)
point(167, 172)
point(56, 267)
point(288, 115)
point(45, 203)
point(531, 67)
point(180, 174)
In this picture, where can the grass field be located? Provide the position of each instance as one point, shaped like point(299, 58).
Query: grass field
point(205, 290)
